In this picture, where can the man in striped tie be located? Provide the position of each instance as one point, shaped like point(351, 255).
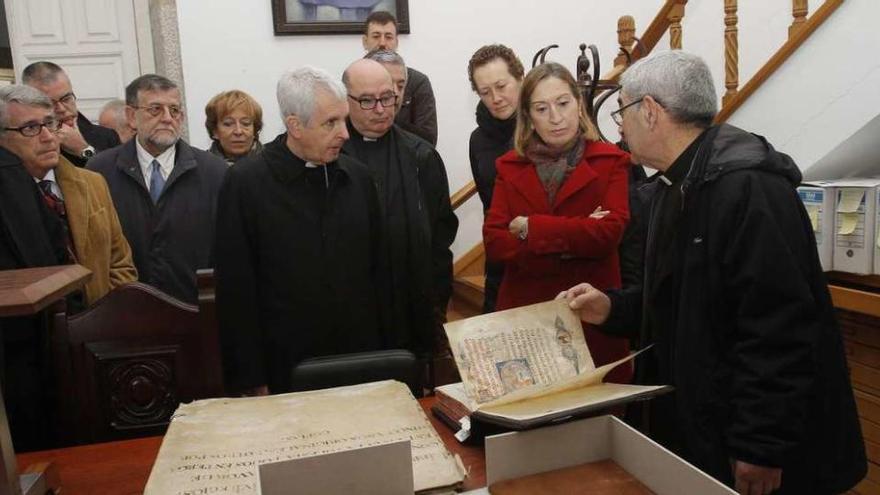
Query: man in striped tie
point(165, 190)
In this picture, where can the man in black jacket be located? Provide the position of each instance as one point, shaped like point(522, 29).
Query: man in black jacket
point(414, 196)
point(80, 139)
point(733, 297)
point(418, 110)
point(164, 190)
point(299, 234)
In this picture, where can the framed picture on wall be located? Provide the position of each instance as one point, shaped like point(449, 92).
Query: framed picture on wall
point(333, 16)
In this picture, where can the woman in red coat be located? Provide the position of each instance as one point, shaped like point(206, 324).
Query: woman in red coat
point(559, 206)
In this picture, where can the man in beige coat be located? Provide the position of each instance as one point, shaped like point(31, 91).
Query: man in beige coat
point(80, 198)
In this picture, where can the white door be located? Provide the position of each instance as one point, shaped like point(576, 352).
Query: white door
point(93, 40)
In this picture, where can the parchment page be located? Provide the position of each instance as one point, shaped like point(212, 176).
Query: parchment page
point(216, 445)
point(532, 346)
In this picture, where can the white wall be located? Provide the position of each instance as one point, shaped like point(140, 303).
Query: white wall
point(225, 46)
point(827, 91)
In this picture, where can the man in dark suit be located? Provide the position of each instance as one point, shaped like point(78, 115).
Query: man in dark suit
point(414, 194)
point(299, 256)
point(80, 139)
point(418, 110)
point(165, 191)
point(30, 236)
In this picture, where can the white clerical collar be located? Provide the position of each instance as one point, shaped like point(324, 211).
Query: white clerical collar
point(312, 165)
point(370, 140)
point(665, 180)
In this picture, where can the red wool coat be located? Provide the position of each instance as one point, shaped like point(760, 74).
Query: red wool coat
point(564, 246)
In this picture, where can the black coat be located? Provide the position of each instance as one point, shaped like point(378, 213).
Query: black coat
point(298, 265)
point(100, 137)
point(172, 239)
point(750, 343)
point(491, 139)
point(30, 236)
point(428, 233)
point(418, 114)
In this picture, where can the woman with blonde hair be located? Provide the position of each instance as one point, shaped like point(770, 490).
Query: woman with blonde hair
point(559, 206)
point(234, 120)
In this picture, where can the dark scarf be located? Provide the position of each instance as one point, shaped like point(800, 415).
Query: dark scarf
point(216, 149)
point(554, 166)
point(497, 130)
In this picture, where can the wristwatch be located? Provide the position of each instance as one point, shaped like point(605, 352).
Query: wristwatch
point(88, 152)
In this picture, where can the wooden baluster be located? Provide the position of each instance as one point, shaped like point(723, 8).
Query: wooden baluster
point(799, 10)
point(731, 51)
point(676, 14)
point(626, 33)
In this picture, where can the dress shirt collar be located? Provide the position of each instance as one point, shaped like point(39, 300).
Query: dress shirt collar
point(165, 159)
point(50, 176)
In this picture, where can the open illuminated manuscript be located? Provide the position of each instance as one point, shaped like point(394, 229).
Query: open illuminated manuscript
point(527, 366)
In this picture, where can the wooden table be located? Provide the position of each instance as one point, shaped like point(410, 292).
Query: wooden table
point(122, 468)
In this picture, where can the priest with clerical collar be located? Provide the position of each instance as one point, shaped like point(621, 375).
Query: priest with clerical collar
point(414, 194)
point(298, 258)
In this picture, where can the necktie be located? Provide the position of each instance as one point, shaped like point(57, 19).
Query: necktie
point(157, 182)
point(56, 204)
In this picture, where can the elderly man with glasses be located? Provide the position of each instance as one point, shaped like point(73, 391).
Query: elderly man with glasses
point(733, 297)
point(80, 139)
point(51, 213)
point(414, 195)
point(164, 189)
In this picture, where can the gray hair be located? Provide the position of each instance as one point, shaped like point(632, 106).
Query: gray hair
point(21, 94)
point(147, 82)
point(42, 73)
point(680, 81)
point(117, 110)
point(385, 57)
point(296, 91)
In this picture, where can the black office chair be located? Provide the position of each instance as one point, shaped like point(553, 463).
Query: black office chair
point(361, 367)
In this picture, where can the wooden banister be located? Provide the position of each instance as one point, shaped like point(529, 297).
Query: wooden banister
point(658, 27)
point(676, 14)
point(809, 26)
point(463, 194)
point(731, 51)
point(626, 36)
point(799, 11)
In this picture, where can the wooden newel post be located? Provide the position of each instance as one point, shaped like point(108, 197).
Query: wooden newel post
point(676, 14)
point(731, 51)
point(799, 11)
point(28, 292)
point(626, 34)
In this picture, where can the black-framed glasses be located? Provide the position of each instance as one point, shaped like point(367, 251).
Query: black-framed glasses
point(67, 100)
point(157, 110)
point(369, 103)
point(617, 115)
point(31, 130)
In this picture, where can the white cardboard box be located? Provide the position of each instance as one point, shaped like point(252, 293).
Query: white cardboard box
point(517, 454)
point(854, 225)
point(818, 199)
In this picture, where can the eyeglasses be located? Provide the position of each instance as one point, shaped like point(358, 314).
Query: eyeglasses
point(617, 115)
point(157, 110)
point(67, 100)
point(31, 130)
point(369, 103)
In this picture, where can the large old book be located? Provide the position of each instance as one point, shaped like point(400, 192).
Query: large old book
point(526, 367)
point(217, 445)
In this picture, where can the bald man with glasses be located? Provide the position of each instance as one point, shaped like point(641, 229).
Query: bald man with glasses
point(80, 139)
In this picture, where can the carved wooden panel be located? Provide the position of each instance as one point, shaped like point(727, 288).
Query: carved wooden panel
point(136, 386)
point(130, 360)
